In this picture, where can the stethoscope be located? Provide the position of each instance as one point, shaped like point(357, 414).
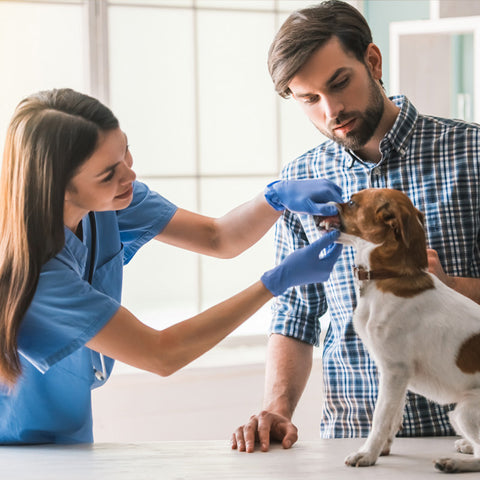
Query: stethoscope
point(100, 375)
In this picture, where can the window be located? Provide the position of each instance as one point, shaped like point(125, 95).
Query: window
point(188, 81)
point(32, 55)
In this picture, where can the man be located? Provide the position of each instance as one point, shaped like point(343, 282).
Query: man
point(324, 58)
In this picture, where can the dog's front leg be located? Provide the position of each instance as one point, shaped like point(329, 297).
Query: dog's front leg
point(396, 426)
point(391, 400)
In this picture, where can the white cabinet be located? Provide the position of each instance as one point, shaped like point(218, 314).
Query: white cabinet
point(436, 62)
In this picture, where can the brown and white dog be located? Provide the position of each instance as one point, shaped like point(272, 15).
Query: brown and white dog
point(423, 335)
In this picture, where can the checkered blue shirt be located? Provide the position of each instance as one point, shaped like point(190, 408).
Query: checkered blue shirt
point(436, 162)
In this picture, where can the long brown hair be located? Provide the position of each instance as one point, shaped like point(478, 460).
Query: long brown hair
point(51, 134)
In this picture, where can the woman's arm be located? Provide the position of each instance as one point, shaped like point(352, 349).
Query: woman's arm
point(239, 229)
point(223, 237)
point(164, 352)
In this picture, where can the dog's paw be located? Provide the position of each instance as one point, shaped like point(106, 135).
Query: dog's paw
point(386, 448)
point(447, 465)
point(361, 459)
point(385, 451)
point(464, 446)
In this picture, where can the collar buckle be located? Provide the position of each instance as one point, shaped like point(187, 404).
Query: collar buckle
point(361, 274)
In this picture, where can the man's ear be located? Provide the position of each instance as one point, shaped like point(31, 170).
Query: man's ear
point(397, 219)
point(373, 59)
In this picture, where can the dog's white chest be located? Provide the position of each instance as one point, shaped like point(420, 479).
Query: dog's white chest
point(417, 334)
point(371, 317)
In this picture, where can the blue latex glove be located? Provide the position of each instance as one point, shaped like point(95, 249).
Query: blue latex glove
point(304, 196)
point(304, 265)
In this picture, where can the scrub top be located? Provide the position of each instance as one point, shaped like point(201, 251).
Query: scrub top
point(51, 402)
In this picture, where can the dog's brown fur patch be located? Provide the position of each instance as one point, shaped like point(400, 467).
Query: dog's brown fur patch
point(389, 218)
point(468, 358)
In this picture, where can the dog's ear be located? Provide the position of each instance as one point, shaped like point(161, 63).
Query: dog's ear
point(421, 217)
point(396, 218)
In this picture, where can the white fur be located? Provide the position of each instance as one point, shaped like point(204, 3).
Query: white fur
point(362, 247)
point(414, 342)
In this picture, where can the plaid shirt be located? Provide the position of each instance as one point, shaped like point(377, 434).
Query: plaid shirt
point(436, 162)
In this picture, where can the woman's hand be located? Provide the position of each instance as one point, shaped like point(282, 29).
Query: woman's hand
point(309, 196)
point(304, 265)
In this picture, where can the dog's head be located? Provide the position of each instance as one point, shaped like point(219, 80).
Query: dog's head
point(382, 216)
point(388, 234)
point(384, 222)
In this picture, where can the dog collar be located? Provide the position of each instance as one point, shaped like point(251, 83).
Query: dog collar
point(362, 274)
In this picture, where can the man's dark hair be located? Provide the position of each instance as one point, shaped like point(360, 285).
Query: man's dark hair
point(308, 29)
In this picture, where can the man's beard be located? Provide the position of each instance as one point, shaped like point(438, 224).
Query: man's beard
point(368, 121)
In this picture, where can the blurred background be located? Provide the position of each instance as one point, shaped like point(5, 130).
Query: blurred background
point(189, 83)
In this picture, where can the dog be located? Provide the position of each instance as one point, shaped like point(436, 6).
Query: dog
point(422, 335)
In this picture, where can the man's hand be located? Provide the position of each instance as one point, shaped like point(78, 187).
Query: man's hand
point(264, 428)
point(435, 267)
point(470, 287)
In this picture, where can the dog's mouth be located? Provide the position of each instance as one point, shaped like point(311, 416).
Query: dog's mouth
point(327, 224)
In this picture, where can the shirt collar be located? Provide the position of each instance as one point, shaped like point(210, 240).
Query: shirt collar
point(398, 137)
point(74, 253)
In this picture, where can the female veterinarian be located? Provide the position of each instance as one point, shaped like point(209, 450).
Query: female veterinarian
point(72, 215)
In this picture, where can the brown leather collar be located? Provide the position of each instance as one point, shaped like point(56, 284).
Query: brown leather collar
point(362, 274)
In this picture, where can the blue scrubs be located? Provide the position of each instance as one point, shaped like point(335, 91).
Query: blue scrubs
point(51, 402)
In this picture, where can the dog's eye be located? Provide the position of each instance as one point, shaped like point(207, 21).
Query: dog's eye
point(351, 203)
